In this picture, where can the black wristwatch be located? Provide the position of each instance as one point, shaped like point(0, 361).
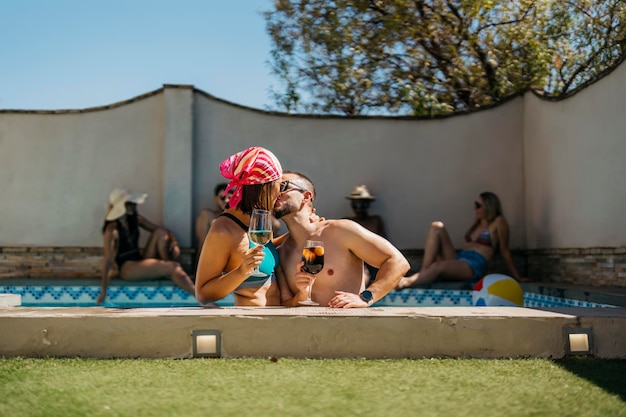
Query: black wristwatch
point(368, 297)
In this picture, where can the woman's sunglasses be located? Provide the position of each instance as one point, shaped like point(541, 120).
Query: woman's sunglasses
point(477, 205)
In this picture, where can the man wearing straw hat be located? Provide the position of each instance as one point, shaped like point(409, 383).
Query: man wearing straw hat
point(360, 200)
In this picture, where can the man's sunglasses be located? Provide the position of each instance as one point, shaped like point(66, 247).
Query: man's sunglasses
point(284, 187)
point(477, 205)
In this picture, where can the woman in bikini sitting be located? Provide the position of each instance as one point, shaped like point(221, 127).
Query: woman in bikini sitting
point(228, 257)
point(488, 233)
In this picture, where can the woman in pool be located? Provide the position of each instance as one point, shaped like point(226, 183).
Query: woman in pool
point(228, 257)
point(121, 245)
point(488, 234)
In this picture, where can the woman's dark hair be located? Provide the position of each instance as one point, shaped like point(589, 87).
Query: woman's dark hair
point(256, 196)
point(133, 223)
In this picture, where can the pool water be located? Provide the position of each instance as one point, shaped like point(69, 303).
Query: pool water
point(129, 296)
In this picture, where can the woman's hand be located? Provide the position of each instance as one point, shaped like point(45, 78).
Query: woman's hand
point(251, 259)
point(314, 218)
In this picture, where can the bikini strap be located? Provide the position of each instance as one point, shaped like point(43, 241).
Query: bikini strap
point(235, 219)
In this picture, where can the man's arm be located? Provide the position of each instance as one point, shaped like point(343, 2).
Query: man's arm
point(376, 251)
point(287, 297)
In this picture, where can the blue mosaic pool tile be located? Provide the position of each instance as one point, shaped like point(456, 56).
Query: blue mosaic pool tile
point(171, 296)
point(117, 296)
point(540, 300)
point(412, 297)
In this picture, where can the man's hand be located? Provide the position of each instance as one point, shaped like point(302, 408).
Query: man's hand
point(314, 218)
point(346, 300)
point(303, 280)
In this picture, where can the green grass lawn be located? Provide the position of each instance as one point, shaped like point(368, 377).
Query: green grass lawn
point(295, 387)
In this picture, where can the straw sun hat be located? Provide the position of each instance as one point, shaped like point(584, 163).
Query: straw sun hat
point(360, 192)
point(117, 202)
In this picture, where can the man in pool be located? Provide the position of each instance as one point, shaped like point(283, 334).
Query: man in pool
point(347, 244)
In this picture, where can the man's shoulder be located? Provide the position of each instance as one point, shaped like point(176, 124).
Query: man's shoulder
point(346, 222)
point(208, 212)
point(342, 226)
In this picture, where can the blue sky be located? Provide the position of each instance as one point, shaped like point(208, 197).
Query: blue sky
point(73, 54)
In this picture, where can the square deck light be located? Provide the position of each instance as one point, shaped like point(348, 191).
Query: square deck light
point(207, 343)
point(579, 341)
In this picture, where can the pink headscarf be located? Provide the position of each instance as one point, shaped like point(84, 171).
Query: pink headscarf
point(254, 165)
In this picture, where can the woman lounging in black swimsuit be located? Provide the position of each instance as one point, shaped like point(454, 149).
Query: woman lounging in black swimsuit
point(121, 244)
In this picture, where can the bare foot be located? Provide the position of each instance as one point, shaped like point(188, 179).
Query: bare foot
point(407, 281)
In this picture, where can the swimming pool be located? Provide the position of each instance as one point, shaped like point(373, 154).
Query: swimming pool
point(161, 293)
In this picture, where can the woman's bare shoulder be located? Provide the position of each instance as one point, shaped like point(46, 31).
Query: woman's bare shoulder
point(500, 222)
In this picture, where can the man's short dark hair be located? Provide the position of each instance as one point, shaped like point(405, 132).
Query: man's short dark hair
point(219, 189)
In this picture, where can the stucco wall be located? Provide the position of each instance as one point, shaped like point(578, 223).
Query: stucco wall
point(419, 171)
point(57, 170)
point(575, 167)
point(557, 166)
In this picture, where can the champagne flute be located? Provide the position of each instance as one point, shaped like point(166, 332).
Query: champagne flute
point(313, 257)
point(260, 233)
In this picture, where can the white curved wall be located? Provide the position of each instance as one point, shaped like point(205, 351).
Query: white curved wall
point(419, 171)
point(57, 170)
point(557, 166)
point(575, 164)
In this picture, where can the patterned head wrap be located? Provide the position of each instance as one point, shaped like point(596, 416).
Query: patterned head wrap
point(254, 165)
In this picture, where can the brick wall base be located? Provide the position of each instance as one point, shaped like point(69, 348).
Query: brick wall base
point(588, 266)
point(583, 266)
point(62, 262)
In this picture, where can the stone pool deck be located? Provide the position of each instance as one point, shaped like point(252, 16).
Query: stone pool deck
point(309, 332)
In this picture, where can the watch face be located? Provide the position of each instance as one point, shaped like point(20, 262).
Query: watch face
point(367, 295)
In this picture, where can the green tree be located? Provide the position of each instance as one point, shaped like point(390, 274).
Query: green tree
point(586, 38)
point(435, 57)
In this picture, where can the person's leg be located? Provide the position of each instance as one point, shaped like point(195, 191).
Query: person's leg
point(158, 245)
point(452, 270)
point(438, 247)
point(156, 268)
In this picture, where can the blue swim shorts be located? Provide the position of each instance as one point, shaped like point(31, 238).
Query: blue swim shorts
point(476, 261)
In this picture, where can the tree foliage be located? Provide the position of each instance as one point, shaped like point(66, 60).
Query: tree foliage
point(435, 57)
